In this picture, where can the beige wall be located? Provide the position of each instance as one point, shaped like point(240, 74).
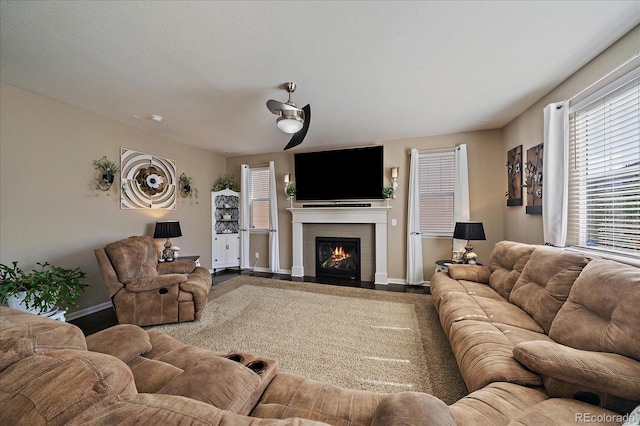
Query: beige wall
point(49, 209)
point(486, 166)
point(527, 128)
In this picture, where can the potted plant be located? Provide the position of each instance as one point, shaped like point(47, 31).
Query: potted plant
point(40, 290)
point(290, 191)
point(185, 185)
point(226, 182)
point(387, 193)
point(108, 170)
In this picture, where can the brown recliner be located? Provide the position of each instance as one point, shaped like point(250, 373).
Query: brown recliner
point(145, 292)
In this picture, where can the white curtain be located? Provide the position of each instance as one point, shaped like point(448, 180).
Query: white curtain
point(461, 194)
point(555, 173)
point(274, 245)
point(244, 216)
point(415, 272)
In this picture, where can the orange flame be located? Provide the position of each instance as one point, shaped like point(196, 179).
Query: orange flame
point(339, 254)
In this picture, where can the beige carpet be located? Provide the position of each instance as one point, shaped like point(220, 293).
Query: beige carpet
point(356, 338)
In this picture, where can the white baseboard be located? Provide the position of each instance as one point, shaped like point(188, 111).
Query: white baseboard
point(88, 311)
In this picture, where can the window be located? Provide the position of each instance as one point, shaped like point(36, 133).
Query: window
point(259, 198)
point(604, 169)
point(437, 189)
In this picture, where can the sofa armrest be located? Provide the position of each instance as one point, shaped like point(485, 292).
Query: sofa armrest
point(181, 266)
point(154, 283)
point(610, 373)
point(124, 341)
point(411, 408)
point(477, 273)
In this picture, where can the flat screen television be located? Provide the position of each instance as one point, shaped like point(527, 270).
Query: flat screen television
point(344, 174)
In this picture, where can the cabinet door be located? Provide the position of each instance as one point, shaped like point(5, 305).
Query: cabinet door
point(233, 250)
point(219, 250)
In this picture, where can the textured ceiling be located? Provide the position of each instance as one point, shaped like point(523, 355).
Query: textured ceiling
point(372, 71)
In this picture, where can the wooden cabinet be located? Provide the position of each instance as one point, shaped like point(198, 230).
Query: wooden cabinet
point(225, 210)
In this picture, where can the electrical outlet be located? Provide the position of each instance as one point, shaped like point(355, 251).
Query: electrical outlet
point(257, 255)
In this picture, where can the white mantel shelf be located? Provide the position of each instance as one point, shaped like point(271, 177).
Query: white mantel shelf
point(374, 215)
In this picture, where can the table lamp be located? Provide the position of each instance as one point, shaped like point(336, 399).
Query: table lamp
point(469, 231)
point(167, 229)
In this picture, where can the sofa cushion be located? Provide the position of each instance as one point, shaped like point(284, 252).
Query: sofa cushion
point(601, 313)
point(495, 404)
point(23, 334)
point(53, 388)
point(420, 407)
point(291, 395)
point(145, 409)
point(124, 341)
point(133, 258)
point(565, 411)
point(236, 388)
point(456, 307)
point(442, 283)
point(607, 373)
point(484, 353)
point(476, 273)
point(545, 282)
point(506, 262)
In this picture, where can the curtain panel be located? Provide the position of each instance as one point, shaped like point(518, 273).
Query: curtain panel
point(244, 216)
point(555, 172)
point(274, 245)
point(415, 271)
point(461, 194)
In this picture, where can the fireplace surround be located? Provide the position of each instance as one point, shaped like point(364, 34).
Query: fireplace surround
point(376, 216)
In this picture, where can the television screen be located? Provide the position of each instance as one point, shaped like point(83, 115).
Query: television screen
point(346, 174)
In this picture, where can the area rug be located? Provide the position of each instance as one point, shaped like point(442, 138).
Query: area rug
point(356, 338)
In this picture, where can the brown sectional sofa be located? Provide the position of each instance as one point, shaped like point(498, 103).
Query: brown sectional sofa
point(50, 374)
point(521, 374)
point(543, 322)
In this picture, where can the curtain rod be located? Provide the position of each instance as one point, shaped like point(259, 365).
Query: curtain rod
point(601, 78)
point(435, 150)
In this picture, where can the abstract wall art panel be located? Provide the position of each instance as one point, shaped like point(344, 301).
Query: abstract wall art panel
point(148, 181)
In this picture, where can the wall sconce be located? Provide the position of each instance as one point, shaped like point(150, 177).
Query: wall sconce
point(394, 180)
point(186, 186)
point(104, 173)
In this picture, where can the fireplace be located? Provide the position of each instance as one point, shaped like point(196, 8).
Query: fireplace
point(338, 257)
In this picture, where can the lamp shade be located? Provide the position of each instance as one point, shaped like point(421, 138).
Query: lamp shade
point(167, 229)
point(289, 124)
point(469, 231)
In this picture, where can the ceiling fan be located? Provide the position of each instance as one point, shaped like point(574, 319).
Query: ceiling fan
point(291, 119)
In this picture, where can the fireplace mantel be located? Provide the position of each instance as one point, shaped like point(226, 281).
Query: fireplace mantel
point(373, 215)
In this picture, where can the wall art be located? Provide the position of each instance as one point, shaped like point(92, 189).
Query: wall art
point(148, 181)
point(533, 179)
point(514, 176)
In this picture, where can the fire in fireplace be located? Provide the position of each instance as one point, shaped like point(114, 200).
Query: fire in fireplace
point(338, 257)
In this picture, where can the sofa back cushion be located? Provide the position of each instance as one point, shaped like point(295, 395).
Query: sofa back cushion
point(23, 334)
point(133, 258)
point(507, 261)
point(53, 388)
point(545, 283)
point(602, 312)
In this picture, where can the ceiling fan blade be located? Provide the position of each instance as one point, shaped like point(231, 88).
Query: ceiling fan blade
point(276, 107)
point(299, 136)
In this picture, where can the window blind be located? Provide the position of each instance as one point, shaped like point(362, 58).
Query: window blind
point(437, 188)
point(259, 198)
point(604, 169)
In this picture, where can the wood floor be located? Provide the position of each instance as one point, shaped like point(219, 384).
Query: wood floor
point(106, 318)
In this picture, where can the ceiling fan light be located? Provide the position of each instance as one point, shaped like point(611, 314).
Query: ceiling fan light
point(289, 124)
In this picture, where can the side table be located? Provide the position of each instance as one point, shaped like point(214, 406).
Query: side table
point(443, 265)
point(194, 258)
